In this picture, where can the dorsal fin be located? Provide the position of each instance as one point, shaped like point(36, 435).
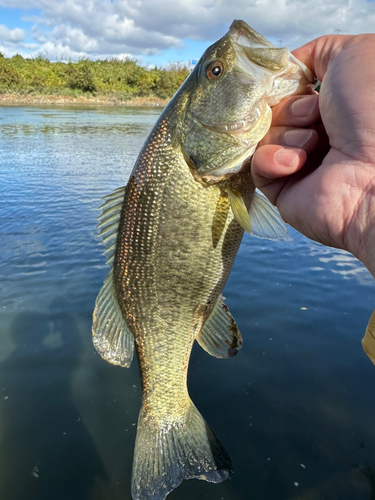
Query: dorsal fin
point(220, 336)
point(112, 337)
point(109, 220)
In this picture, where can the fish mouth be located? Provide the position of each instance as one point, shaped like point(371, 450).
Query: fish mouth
point(239, 128)
point(248, 136)
point(251, 47)
point(242, 34)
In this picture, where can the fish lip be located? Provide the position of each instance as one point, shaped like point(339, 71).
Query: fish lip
point(238, 128)
point(310, 77)
point(239, 30)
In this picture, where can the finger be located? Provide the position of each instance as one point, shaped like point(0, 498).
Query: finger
point(320, 53)
point(296, 111)
point(271, 165)
point(306, 139)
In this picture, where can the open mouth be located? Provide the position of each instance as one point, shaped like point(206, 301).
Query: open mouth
point(253, 48)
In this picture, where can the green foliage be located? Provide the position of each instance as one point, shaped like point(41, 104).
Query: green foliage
point(8, 77)
point(80, 77)
point(123, 78)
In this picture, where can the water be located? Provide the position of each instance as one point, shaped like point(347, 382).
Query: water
point(295, 409)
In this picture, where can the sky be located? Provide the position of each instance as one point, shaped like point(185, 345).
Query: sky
point(159, 32)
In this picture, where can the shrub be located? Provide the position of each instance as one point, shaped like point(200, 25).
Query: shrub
point(120, 77)
point(8, 76)
point(80, 77)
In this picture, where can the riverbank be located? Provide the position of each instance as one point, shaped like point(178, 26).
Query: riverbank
point(67, 100)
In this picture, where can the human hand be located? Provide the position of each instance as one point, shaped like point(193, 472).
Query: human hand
point(317, 162)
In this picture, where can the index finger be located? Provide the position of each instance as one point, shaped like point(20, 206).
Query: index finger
point(319, 53)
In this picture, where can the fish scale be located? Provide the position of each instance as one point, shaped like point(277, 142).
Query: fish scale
point(169, 299)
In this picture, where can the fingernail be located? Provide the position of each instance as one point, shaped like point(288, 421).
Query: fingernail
point(302, 108)
point(297, 138)
point(286, 157)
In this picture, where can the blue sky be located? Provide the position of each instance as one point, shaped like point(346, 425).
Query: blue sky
point(158, 32)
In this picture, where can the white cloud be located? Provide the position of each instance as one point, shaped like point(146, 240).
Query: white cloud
point(100, 28)
point(13, 36)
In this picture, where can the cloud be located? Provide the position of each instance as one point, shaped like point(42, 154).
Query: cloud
point(13, 36)
point(209, 19)
point(100, 28)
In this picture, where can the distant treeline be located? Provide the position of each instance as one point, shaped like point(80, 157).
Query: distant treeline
point(124, 78)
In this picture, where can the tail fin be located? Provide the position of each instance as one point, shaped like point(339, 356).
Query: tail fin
point(167, 454)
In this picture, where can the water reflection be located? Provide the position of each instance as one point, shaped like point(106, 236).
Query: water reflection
point(13, 130)
point(46, 451)
point(356, 483)
point(340, 262)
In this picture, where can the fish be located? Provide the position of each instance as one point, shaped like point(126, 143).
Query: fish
point(172, 234)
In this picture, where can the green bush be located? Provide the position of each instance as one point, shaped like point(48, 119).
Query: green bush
point(123, 78)
point(8, 76)
point(80, 77)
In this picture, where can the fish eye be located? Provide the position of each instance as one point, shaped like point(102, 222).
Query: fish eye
point(214, 70)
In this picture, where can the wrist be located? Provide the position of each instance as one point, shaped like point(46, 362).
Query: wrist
point(360, 233)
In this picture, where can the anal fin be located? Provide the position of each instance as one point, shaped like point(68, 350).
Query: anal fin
point(220, 336)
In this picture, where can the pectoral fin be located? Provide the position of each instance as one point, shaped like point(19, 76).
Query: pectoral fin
point(220, 336)
point(266, 221)
point(368, 341)
point(239, 210)
point(262, 220)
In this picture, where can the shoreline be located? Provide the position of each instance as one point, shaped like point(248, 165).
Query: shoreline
point(61, 100)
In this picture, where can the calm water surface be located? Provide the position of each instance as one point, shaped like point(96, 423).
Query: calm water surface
point(295, 409)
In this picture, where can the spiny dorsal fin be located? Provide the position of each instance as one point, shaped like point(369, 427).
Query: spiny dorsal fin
point(111, 335)
point(109, 220)
point(220, 336)
point(368, 342)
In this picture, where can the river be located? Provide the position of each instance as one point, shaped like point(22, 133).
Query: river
point(295, 409)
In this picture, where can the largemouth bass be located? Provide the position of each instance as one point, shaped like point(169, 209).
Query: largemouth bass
point(172, 235)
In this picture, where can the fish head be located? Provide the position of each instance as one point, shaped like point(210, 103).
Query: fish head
point(228, 99)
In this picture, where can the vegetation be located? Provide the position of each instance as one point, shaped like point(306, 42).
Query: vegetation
point(122, 79)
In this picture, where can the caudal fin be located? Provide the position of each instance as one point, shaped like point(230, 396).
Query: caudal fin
point(166, 454)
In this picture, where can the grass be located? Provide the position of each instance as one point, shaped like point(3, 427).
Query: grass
point(122, 79)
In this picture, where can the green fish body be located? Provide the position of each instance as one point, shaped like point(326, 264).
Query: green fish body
point(172, 236)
